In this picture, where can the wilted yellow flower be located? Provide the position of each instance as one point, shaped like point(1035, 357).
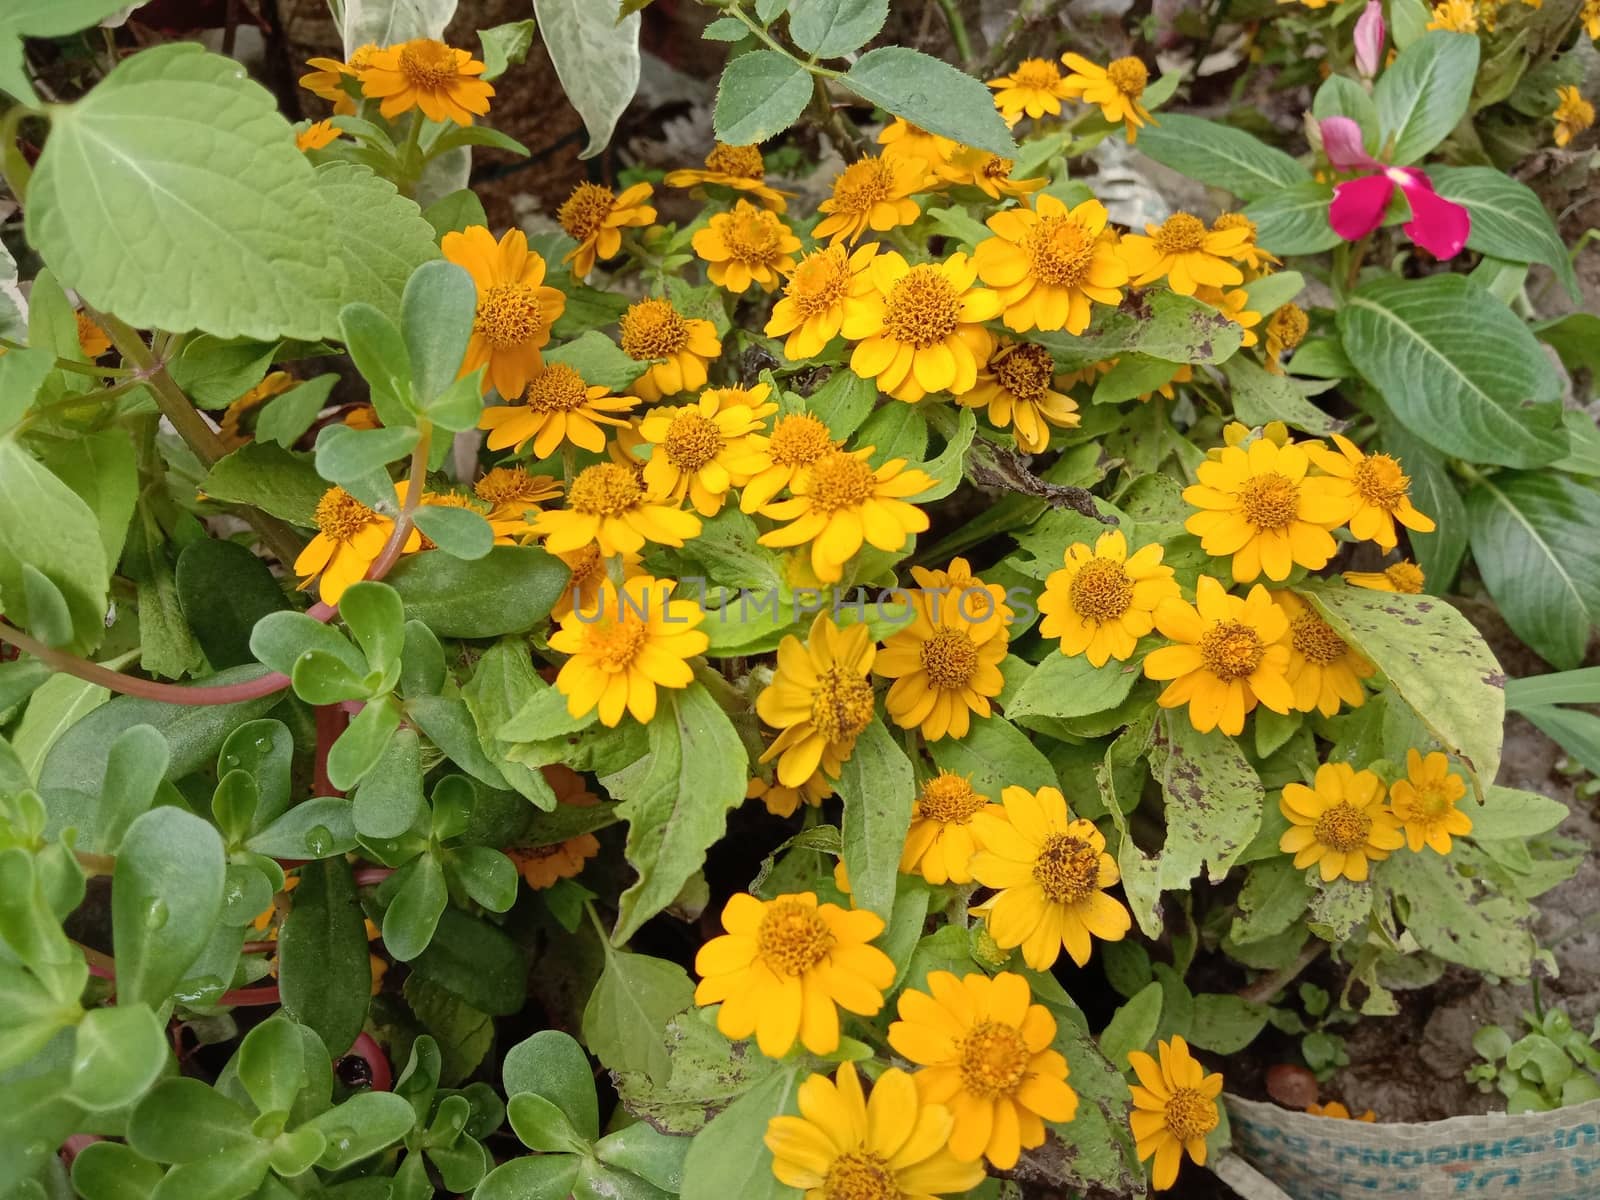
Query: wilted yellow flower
point(1424, 802)
point(701, 450)
point(1259, 505)
point(816, 297)
point(1371, 490)
point(632, 640)
point(515, 309)
point(607, 504)
point(426, 74)
point(1338, 1112)
point(738, 167)
point(1573, 114)
point(820, 699)
point(316, 135)
point(588, 567)
point(1116, 88)
point(1324, 670)
point(942, 838)
point(1340, 824)
point(988, 172)
point(1048, 262)
point(349, 538)
point(511, 494)
point(1404, 577)
point(92, 340)
point(1034, 87)
point(1103, 600)
point(1187, 254)
point(595, 216)
point(1286, 329)
point(1015, 387)
point(1174, 1108)
point(748, 245)
point(872, 193)
point(784, 801)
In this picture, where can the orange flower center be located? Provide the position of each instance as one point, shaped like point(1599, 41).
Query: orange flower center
point(341, 516)
point(1233, 220)
point(614, 645)
point(585, 211)
point(1269, 501)
point(591, 565)
point(1406, 578)
point(692, 441)
point(1067, 869)
point(1231, 650)
point(1025, 371)
point(509, 316)
point(1036, 73)
point(820, 281)
point(798, 440)
point(556, 389)
point(605, 490)
point(1380, 481)
point(1343, 827)
point(841, 707)
point(922, 308)
point(512, 485)
point(793, 937)
point(1128, 76)
point(742, 162)
point(950, 657)
point(949, 799)
point(861, 185)
point(1424, 802)
point(1315, 639)
point(1101, 590)
point(752, 235)
point(840, 482)
point(1288, 326)
point(1181, 233)
point(653, 329)
point(427, 65)
point(860, 1175)
point(994, 1060)
point(1059, 250)
point(1190, 1115)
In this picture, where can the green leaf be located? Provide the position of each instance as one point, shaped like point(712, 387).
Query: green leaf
point(233, 236)
point(183, 1120)
point(270, 478)
point(101, 468)
point(323, 970)
point(1459, 919)
point(599, 360)
point(380, 355)
point(53, 709)
point(1221, 156)
point(281, 639)
point(596, 57)
point(676, 800)
point(509, 590)
point(373, 614)
point(532, 1177)
point(1294, 220)
point(833, 28)
point(1531, 538)
point(1225, 1024)
point(362, 744)
point(505, 46)
point(1508, 219)
point(436, 323)
point(946, 470)
point(877, 786)
point(1135, 375)
point(1133, 1025)
point(22, 374)
point(456, 212)
point(382, 237)
point(1070, 686)
point(459, 532)
point(1260, 396)
point(723, 29)
point(117, 1055)
point(761, 94)
point(1508, 813)
point(413, 914)
point(552, 1064)
point(474, 960)
point(1492, 396)
point(843, 402)
point(1409, 19)
point(931, 94)
point(633, 1001)
point(1213, 800)
point(166, 895)
point(1165, 325)
point(45, 525)
point(113, 1171)
point(1341, 96)
point(728, 1157)
point(997, 755)
point(346, 455)
point(1425, 92)
point(135, 767)
point(708, 1074)
point(272, 1065)
point(540, 1125)
point(217, 371)
point(360, 1127)
point(389, 800)
point(41, 19)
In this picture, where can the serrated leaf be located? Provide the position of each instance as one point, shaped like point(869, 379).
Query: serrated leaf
point(381, 235)
point(932, 95)
point(832, 28)
point(760, 95)
point(635, 998)
point(505, 46)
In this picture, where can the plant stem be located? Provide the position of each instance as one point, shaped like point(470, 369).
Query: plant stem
point(958, 31)
point(417, 477)
point(80, 368)
point(1263, 990)
point(845, 136)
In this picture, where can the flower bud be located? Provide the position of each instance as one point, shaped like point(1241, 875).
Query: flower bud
point(1369, 39)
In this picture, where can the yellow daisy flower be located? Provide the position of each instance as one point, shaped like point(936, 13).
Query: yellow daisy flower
point(784, 801)
point(1371, 490)
point(1456, 16)
point(891, 1147)
point(588, 568)
point(316, 136)
point(1324, 670)
point(1116, 88)
point(327, 75)
point(942, 838)
point(946, 663)
point(922, 331)
point(607, 504)
point(426, 74)
point(92, 340)
point(1404, 577)
point(1048, 262)
point(1051, 870)
point(1174, 1108)
point(872, 193)
point(557, 406)
point(1340, 824)
point(1338, 1112)
point(701, 450)
point(1286, 329)
point(595, 216)
point(985, 1053)
point(840, 501)
point(1251, 255)
point(1186, 254)
point(1590, 16)
point(738, 167)
point(1033, 88)
point(901, 139)
point(511, 493)
point(797, 440)
point(1573, 114)
point(820, 699)
point(786, 966)
point(1103, 600)
point(989, 173)
point(676, 347)
point(1228, 655)
point(816, 297)
point(748, 245)
point(629, 642)
point(349, 538)
point(1258, 504)
point(1424, 802)
point(1015, 387)
point(515, 309)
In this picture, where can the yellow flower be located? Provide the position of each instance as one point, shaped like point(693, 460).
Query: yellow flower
point(1457, 16)
point(426, 74)
point(903, 140)
point(1174, 1107)
point(873, 193)
point(515, 309)
point(1371, 491)
point(607, 504)
point(1424, 802)
point(327, 75)
point(1286, 329)
point(588, 568)
point(557, 406)
point(594, 217)
point(1187, 254)
point(1340, 824)
point(1404, 577)
point(748, 245)
point(1308, 3)
point(942, 838)
point(1103, 601)
point(511, 493)
point(988, 172)
point(448, 500)
point(1573, 114)
point(1015, 387)
point(820, 699)
point(1338, 1112)
point(1590, 16)
point(784, 801)
point(984, 1050)
point(891, 1147)
point(676, 347)
point(786, 966)
point(1034, 88)
point(921, 329)
point(1235, 305)
point(1323, 668)
point(1251, 255)
point(797, 440)
point(701, 450)
point(625, 645)
point(230, 427)
point(1051, 870)
point(840, 500)
point(946, 663)
point(1116, 88)
point(738, 167)
point(349, 538)
point(1048, 262)
point(92, 340)
point(544, 866)
point(316, 136)
point(1228, 655)
point(815, 298)
point(1258, 504)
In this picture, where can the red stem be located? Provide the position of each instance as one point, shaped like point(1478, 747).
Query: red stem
point(372, 876)
point(250, 997)
point(331, 722)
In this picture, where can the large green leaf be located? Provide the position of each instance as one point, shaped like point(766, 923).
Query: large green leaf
point(931, 94)
point(1294, 220)
point(323, 969)
point(728, 1157)
point(1068, 685)
point(1457, 368)
point(830, 28)
point(996, 754)
point(631, 1004)
point(1458, 919)
point(760, 95)
point(166, 894)
point(1533, 538)
point(1213, 800)
point(380, 234)
point(1433, 491)
point(509, 590)
point(877, 786)
point(1508, 219)
point(596, 57)
point(1425, 92)
point(173, 196)
point(46, 526)
point(1221, 156)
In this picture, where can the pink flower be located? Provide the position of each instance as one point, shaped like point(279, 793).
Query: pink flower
point(1369, 39)
point(1439, 226)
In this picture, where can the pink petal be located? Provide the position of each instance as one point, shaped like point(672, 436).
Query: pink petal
point(1369, 38)
point(1439, 226)
point(1345, 145)
point(1358, 206)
